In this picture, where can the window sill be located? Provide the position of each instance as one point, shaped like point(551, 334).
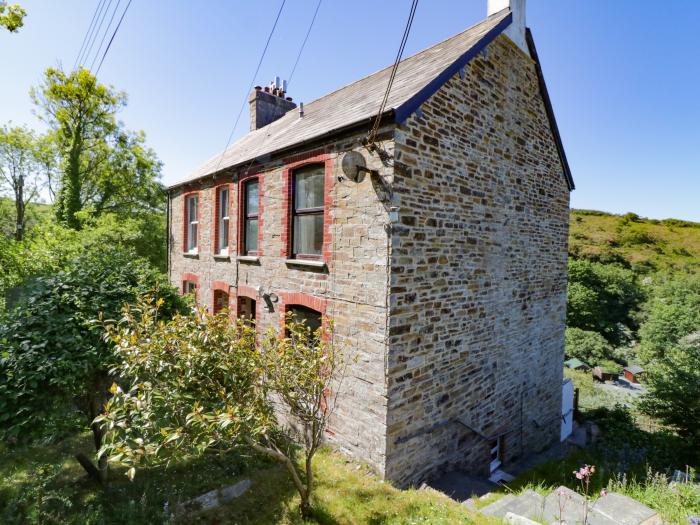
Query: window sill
point(307, 263)
point(252, 259)
point(222, 257)
point(192, 254)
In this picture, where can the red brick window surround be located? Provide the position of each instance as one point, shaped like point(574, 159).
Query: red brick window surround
point(250, 223)
point(288, 300)
point(222, 219)
point(190, 284)
point(220, 297)
point(306, 218)
point(191, 230)
point(247, 304)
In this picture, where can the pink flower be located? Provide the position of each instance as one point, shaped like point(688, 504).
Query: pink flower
point(603, 492)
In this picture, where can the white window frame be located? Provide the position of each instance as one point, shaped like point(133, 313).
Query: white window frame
point(223, 220)
point(192, 223)
point(190, 287)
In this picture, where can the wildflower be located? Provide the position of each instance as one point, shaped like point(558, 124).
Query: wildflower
point(604, 492)
point(694, 520)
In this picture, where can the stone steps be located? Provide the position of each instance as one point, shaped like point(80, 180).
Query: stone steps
point(567, 507)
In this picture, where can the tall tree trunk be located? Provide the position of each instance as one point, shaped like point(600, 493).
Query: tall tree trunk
point(68, 203)
point(19, 209)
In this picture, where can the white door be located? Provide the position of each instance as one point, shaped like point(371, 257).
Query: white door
point(567, 409)
point(495, 454)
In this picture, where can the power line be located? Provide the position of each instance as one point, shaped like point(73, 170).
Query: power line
point(89, 29)
point(111, 19)
point(373, 133)
point(245, 98)
point(113, 35)
point(91, 42)
point(308, 32)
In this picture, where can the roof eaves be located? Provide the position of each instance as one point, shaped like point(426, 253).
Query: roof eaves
point(412, 104)
point(550, 111)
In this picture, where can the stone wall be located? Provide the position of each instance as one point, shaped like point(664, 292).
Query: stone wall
point(353, 289)
point(478, 273)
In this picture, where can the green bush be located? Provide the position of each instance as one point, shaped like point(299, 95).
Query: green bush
point(52, 355)
point(588, 346)
point(603, 298)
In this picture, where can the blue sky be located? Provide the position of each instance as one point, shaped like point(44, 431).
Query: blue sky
point(623, 75)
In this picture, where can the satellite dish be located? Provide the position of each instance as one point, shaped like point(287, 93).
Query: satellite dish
point(354, 165)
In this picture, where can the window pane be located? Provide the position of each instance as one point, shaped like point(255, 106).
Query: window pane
point(192, 237)
point(310, 318)
point(223, 202)
point(223, 235)
point(251, 235)
point(308, 188)
point(192, 209)
point(251, 192)
point(308, 234)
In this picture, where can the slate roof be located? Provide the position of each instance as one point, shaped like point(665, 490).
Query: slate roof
point(417, 77)
point(575, 363)
point(634, 369)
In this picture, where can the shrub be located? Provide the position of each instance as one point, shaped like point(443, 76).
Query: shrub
point(53, 355)
point(588, 346)
point(602, 298)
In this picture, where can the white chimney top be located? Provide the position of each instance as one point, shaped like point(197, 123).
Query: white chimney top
point(516, 30)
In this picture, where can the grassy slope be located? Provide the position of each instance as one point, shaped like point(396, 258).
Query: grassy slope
point(667, 245)
point(347, 492)
point(36, 212)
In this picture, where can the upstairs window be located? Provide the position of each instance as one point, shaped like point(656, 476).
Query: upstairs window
point(222, 220)
point(307, 212)
point(250, 217)
point(191, 223)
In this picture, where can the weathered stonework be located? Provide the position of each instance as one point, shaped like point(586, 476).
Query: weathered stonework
point(447, 291)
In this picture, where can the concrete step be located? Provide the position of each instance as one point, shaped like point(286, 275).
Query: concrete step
point(566, 506)
point(625, 510)
point(529, 504)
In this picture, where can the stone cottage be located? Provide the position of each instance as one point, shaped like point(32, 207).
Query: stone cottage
point(438, 249)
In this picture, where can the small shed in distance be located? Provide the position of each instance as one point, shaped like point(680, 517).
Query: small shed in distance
point(603, 375)
point(633, 373)
point(576, 364)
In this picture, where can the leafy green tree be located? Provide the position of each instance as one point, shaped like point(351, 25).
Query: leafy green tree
point(672, 312)
point(198, 382)
point(673, 394)
point(53, 354)
point(11, 16)
point(20, 175)
point(588, 346)
point(603, 298)
point(103, 167)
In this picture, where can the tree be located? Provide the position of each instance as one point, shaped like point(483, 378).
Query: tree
point(672, 312)
point(19, 172)
point(673, 383)
point(54, 355)
point(198, 382)
point(11, 16)
point(588, 346)
point(103, 167)
point(602, 298)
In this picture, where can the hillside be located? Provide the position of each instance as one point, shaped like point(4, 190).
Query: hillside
point(36, 212)
point(648, 245)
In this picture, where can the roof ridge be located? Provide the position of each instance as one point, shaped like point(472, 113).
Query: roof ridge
point(484, 21)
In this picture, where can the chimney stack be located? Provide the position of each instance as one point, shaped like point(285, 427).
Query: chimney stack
point(516, 30)
point(269, 104)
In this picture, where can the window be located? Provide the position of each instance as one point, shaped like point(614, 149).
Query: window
point(220, 301)
point(250, 217)
point(302, 314)
point(189, 287)
point(192, 223)
point(307, 212)
point(246, 308)
point(222, 220)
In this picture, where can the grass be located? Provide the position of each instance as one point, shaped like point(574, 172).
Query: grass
point(42, 483)
point(645, 244)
